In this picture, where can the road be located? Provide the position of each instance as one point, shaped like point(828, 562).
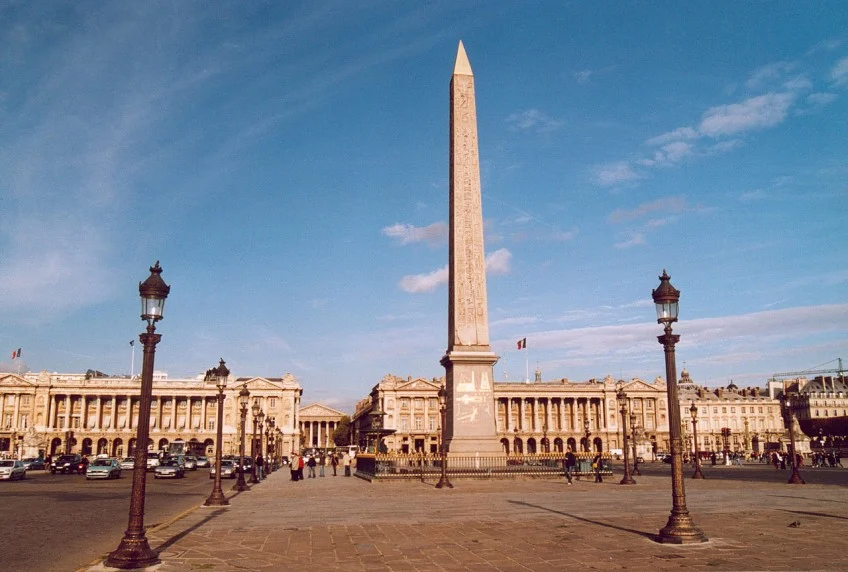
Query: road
point(62, 522)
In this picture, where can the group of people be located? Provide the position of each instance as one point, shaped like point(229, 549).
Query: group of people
point(320, 462)
point(569, 463)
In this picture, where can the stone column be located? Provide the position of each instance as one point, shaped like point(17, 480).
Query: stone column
point(98, 421)
point(67, 412)
point(174, 413)
point(113, 420)
point(16, 414)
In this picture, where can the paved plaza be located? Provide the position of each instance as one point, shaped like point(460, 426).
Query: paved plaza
point(338, 523)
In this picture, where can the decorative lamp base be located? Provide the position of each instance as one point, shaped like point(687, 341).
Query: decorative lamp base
point(131, 554)
point(681, 530)
point(217, 498)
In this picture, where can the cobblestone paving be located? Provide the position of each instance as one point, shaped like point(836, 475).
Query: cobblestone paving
point(349, 524)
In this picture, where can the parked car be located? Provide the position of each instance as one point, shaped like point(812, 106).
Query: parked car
point(152, 460)
point(190, 463)
point(127, 463)
point(68, 464)
point(11, 469)
point(203, 462)
point(169, 468)
point(34, 464)
point(229, 469)
point(104, 469)
point(285, 460)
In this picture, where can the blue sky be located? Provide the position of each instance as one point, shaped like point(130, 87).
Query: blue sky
point(287, 163)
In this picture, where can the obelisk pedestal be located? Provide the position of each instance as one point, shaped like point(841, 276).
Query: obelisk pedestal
point(469, 360)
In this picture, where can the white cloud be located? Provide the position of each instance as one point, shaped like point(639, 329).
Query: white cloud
point(498, 262)
point(636, 239)
point(769, 73)
point(839, 75)
point(434, 234)
point(417, 283)
point(583, 76)
point(824, 45)
point(615, 173)
point(533, 119)
point(670, 204)
point(751, 196)
point(753, 113)
point(679, 134)
point(821, 98)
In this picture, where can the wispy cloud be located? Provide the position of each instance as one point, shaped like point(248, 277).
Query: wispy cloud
point(615, 173)
point(839, 74)
point(665, 204)
point(769, 73)
point(753, 113)
point(584, 77)
point(434, 234)
point(533, 119)
point(498, 262)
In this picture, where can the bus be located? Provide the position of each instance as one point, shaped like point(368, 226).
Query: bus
point(178, 447)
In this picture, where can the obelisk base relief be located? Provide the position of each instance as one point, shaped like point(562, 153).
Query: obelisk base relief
point(470, 418)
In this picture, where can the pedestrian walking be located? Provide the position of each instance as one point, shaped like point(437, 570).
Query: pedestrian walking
point(346, 463)
point(260, 467)
point(569, 462)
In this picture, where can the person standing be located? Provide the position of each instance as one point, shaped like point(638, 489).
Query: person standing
point(322, 462)
point(334, 461)
point(260, 467)
point(311, 463)
point(293, 465)
point(301, 462)
point(596, 464)
point(570, 462)
point(346, 463)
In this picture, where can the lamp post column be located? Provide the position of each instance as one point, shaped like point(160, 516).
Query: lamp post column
point(443, 480)
point(622, 398)
point(217, 497)
point(244, 395)
point(134, 550)
point(633, 443)
point(795, 479)
point(680, 529)
point(694, 412)
point(254, 478)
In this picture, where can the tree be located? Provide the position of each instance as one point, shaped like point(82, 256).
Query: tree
point(341, 436)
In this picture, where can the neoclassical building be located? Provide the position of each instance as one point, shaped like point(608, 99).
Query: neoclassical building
point(316, 424)
point(49, 413)
point(543, 416)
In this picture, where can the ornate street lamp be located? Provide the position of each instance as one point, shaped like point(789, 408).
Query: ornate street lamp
point(622, 399)
point(443, 408)
point(134, 550)
point(693, 411)
point(244, 399)
point(787, 404)
point(220, 374)
point(633, 443)
point(587, 433)
point(680, 528)
point(256, 411)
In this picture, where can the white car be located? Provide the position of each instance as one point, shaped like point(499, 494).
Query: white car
point(127, 463)
point(10, 469)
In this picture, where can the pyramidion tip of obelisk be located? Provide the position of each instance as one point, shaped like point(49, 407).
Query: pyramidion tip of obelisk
point(462, 65)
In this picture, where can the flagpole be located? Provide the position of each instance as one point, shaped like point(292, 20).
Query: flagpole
point(526, 365)
point(132, 361)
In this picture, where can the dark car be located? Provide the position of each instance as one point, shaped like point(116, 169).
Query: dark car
point(34, 464)
point(68, 464)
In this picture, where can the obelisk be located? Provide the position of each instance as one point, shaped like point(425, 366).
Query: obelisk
point(469, 360)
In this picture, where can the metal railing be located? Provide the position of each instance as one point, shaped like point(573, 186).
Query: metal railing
point(397, 466)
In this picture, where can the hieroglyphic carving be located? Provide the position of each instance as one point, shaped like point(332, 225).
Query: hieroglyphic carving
point(468, 307)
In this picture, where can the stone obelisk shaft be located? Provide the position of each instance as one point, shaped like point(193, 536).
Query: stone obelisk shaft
point(469, 360)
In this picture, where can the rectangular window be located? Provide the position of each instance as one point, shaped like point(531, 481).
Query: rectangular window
point(24, 399)
point(24, 422)
point(210, 424)
point(404, 424)
point(433, 424)
point(419, 404)
point(724, 409)
point(733, 410)
point(760, 409)
point(272, 402)
point(419, 423)
point(743, 410)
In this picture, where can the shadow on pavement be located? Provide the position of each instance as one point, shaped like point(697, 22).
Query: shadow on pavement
point(174, 539)
point(647, 535)
point(816, 514)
